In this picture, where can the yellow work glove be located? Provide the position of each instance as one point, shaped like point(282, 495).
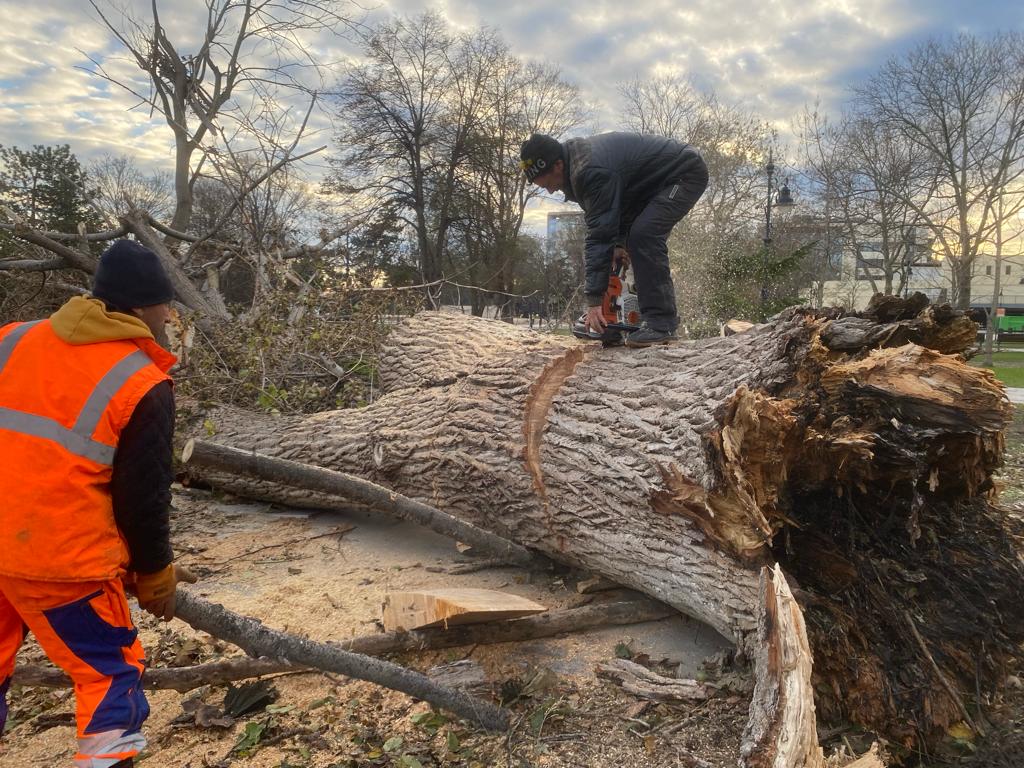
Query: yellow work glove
point(156, 591)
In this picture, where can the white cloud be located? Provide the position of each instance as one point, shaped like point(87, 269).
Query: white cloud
point(769, 57)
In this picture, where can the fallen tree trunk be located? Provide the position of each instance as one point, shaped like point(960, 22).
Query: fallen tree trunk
point(554, 622)
point(209, 455)
point(856, 451)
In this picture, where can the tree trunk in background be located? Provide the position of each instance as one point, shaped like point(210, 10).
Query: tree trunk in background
point(855, 451)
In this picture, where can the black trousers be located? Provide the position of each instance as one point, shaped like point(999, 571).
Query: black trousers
point(647, 244)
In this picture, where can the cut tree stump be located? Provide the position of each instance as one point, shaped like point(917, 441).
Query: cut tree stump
point(406, 611)
point(855, 450)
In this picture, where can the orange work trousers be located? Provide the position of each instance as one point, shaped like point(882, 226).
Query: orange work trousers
point(86, 630)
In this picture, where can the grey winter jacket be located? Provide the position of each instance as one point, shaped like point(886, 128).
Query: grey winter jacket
point(613, 176)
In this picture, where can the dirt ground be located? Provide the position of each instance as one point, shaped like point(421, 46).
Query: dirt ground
point(303, 572)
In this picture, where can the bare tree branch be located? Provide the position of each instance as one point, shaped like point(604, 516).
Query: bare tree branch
point(74, 257)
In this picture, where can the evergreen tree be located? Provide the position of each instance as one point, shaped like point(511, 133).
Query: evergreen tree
point(46, 187)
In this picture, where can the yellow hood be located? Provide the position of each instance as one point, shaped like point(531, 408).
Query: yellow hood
point(86, 321)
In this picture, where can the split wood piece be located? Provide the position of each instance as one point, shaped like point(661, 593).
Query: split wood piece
point(872, 759)
point(255, 639)
point(732, 327)
point(448, 607)
point(640, 681)
point(296, 474)
point(781, 731)
point(554, 622)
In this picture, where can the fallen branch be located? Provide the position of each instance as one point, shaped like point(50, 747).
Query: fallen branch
point(640, 681)
point(75, 258)
point(137, 223)
point(89, 237)
point(237, 461)
point(257, 640)
point(181, 679)
point(34, 265)
point(164, 229)
point(555, 622)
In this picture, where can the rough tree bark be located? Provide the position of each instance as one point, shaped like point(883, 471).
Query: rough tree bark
point(857, 451)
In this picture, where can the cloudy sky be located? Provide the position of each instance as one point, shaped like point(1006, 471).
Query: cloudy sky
point(768, 56)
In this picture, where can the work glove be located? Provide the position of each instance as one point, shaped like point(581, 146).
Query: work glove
point(156, 591)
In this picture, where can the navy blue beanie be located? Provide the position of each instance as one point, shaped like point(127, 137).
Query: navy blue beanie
point(538, 153)
point(130, 275)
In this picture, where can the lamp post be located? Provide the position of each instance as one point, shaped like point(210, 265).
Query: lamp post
point(780, 199)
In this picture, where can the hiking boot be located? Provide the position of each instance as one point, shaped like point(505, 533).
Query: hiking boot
point(645, 336)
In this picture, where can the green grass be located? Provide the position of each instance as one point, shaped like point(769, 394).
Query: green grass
point(1011, 377)
point(1007, 366)
point(1012, 473)
point(1006, 358)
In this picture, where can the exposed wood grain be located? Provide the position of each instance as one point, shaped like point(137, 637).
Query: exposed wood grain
point(418, 609)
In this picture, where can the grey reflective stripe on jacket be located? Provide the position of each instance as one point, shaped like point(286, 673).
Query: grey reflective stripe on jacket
point(77, 440)
point(10, 341)
point(48, 429)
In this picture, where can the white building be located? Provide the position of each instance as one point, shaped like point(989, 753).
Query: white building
point(854, 278)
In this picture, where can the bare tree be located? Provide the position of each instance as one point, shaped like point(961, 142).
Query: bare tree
point(251, 54)
point(862, 176)
point(962, 103)
point(119, 186)
point(431, 125)
point(663, 105)
point(522, 98)
point(393, 111)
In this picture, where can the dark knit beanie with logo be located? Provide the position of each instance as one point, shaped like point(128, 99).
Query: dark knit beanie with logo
point(130, 275)
point(538, 154)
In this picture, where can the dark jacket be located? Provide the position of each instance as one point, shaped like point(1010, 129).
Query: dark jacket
point(613, 176)
point(141, 482)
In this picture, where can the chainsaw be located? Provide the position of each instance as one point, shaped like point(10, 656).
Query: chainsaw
point(620, 309)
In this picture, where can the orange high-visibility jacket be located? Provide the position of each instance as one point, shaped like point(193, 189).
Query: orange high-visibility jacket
point(62, 409)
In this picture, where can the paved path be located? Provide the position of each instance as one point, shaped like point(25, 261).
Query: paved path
point(1016, 394)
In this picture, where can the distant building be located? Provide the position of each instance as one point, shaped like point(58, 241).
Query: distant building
point(855, 273)
point(562, 223)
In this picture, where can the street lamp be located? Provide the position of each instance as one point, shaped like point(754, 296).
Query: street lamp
point(782, 199)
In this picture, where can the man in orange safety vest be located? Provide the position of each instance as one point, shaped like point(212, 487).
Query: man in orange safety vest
point(86, 421)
